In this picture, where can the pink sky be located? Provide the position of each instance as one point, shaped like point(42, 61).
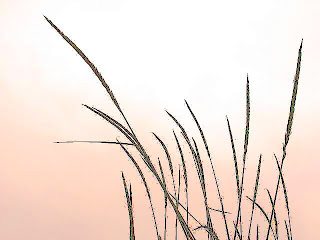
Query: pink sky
point(153, 55)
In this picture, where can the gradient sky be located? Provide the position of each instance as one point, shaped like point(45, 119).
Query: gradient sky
point(153, 55)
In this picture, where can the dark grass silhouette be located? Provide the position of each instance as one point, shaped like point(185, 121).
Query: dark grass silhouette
point(193, 146)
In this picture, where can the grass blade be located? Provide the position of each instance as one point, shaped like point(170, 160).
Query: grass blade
point(264, 213)
point(289, 125)
point(146, 186)
point(184, 226)
point(234, 157)
point(170, 166)
point(236, 230)
point(275, 215)
point(255, 194)
point(235, 166)
point(288, 235)
point(169, 161)
point(246, 140)
point(203, 184)
point(185, 176)
point(178, 201)
point(93, 68)
point(192, 151)
point(129, 203)
point(208, 152)
point(108, 142)
point(165, 201)
point(285, 194)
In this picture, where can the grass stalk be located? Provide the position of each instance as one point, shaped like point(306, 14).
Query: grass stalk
point(245, 150)
point(289, 126)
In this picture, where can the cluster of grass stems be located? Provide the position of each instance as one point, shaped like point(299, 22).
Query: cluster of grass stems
point(174, 199)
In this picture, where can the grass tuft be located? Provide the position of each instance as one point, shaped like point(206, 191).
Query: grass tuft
point(174, 201)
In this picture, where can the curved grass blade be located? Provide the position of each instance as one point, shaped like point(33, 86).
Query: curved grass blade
point(129, 203)
point(165, 201)
point(264, 213)
point(171, 169)
point(234, 157)
point(185, 176)
point(246, 140)
point(135, 141)
point(255, 194)
point(169, 161)
point(191, 149)
point(289, 125)
point(146, 186)
point(127, 134)
point(235, 166)
point(114, 122)
point(285, 194)
point(93, 68)
point(203, 185)
point(208, 152)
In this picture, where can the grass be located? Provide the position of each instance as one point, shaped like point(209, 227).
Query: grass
point(133, 141)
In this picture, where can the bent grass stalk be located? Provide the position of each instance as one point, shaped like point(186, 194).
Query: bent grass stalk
point(174, 200)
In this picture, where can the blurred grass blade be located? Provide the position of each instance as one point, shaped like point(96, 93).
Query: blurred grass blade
point(257, 232)
point(288, 235)
point(217, 210)
point(236, 231)
point(289, 126)
point(129, 203)
point(255, 194)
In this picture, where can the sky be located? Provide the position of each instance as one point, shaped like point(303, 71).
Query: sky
point(154, 55)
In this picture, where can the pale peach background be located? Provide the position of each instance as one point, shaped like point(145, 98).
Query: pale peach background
point(153, 54)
